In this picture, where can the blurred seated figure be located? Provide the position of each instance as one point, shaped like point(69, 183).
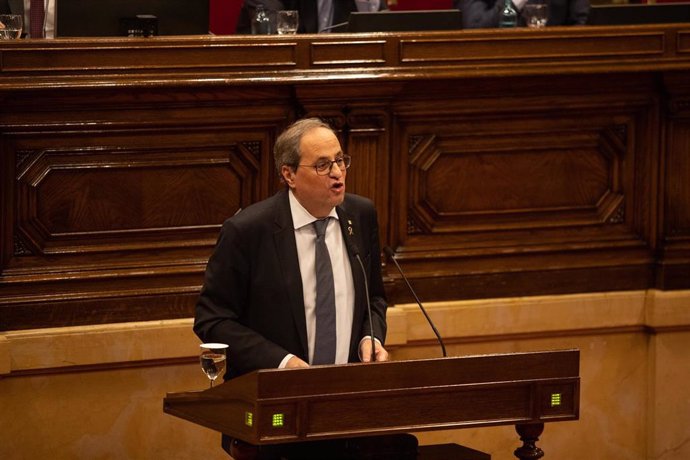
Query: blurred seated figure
point(314, 15)
point(38, 25)
point(485, 13)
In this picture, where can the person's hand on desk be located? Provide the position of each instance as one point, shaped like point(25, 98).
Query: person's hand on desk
point(365, 351)
point(295, 362)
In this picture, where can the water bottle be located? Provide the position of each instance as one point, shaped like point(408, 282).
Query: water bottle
point(508, 15)
point(261, 23)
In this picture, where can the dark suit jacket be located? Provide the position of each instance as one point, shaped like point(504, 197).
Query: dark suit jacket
point(252, 295)
point(11, 6)
point(485, 13)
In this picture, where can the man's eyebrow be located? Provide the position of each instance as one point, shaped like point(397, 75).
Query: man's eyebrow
point(324, 157)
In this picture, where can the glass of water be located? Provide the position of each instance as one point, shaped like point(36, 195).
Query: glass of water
point(212, 358)
point(536, 13)
point(287, 22)
point(10, 26)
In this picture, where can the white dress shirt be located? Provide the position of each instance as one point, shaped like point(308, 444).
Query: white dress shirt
point(305, 237)
point(48, 23)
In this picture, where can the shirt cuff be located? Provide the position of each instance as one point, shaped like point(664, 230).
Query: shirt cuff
point(285, 360)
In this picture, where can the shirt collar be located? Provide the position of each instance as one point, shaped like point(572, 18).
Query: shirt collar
point(300, 216)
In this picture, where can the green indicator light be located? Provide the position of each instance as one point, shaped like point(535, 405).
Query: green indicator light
point(278, 419)
point(555, 399)
point(248, 419)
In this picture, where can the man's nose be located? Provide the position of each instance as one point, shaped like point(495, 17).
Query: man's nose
point(335, 170)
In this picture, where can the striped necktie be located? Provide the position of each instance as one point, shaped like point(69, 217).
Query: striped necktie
point(325, 343)
point(36, 18)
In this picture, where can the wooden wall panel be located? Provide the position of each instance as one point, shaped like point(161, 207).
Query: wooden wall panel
point(502, 163)
point(674, 257)
point(114, 216)
point(525, 183)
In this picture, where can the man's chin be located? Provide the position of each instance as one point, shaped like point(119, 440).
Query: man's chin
point(338, 199)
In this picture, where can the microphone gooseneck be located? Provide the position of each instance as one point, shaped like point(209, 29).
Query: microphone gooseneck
point(353, 250)
point(334, 26)
point(391, 255)
point(371, 323)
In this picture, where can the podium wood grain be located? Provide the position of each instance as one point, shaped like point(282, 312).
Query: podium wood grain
point(332, 402)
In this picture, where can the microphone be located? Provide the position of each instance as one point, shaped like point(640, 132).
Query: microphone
point(340, 27)
point(389, 252)
point(352, 249)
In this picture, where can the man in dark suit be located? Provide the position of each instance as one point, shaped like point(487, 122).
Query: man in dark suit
point(262, 283)
point(311, 19)
point(485, 13)
point(260, 286)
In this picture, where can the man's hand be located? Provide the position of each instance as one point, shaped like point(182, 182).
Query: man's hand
point(365, 351)
point(295, 362)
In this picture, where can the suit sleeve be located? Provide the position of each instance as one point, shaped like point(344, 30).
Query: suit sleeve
point(578, 12)
point(377, 295)
point(223, 304)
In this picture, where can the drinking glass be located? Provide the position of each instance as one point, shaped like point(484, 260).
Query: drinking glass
point(10, 26)
point(287, 22)
point(536, 13)
point(213, 356)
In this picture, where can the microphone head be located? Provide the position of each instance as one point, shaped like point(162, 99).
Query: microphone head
point(389, 252)
point(351, 246)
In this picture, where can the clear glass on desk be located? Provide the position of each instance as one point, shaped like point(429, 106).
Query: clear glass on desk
point(11, 26)
point(261, 22)
point(536, 13)
point(213, 358)
point(287, 22)
point(507, 16)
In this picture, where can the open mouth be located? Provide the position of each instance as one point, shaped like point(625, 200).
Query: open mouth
point(338, 186)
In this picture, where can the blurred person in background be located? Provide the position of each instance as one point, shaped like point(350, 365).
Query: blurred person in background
point(314, 15)
point(485, 13)
point(40, 24)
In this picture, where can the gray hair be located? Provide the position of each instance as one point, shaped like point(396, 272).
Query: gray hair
point(286, 149)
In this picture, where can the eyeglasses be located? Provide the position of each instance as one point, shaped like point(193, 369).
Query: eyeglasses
point(323, 166)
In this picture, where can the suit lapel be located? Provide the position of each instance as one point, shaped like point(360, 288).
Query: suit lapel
point(286, 248)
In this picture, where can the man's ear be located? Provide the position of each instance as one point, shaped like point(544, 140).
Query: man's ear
point(288, 175)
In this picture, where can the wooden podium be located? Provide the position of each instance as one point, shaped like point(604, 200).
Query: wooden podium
point(353, 400)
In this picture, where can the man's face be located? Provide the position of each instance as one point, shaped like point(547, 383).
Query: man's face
point(318, 194)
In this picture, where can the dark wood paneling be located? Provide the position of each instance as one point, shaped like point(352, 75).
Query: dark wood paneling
point(526, 182)
point(117, 198)
point(674, 259)
point(502, 162)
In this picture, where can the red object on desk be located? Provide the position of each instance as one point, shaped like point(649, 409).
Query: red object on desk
point(420, 4)
point(223, 15)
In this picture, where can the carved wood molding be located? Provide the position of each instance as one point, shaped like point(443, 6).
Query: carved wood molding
point(111, 199)
point(211, 60)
